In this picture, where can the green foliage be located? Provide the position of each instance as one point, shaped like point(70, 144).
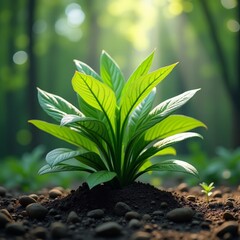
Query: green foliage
point(21, 173)
point(207, 189)
point(223, 168)
point(115, 129)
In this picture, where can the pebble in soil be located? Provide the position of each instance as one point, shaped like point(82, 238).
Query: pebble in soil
point(138, 211)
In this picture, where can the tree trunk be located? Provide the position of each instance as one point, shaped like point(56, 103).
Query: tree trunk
point(232, 89)
point(31, 100)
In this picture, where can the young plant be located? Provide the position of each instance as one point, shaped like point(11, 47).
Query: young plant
point(207, 189)
point(115, 130)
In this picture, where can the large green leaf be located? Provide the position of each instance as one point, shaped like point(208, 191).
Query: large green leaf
point(60, 155)
point(84, 68)
point(166, 142)
point(89, 124)
point(139, 89)
point(164, 109)
point(85, 108)
point(172, 125)
point(55, 106)
point(92, 160)
point(99, 177)
point(66, 134)
point(62, 168)
point(140, 113)
point(96, 94)
point(172, 165)
point(89, 111)
point(141, 70)
point(111, 74)
point(166, 151)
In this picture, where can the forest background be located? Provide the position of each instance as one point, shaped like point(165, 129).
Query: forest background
point(40, 39)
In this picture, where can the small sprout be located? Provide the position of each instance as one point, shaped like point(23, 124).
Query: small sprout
point(207, 189)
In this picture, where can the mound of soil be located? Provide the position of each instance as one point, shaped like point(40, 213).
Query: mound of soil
point(136, 212)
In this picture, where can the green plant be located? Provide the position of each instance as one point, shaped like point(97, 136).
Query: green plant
point(115, 129)
point(207, 189)
point(21, 172)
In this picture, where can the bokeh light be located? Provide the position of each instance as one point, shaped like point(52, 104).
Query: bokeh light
point(229, 4)
point(75, 15)
point(233, 25)
point(20, 57)
point(24, 137)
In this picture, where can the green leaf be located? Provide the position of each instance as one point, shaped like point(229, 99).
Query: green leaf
point(172, 125)
point(89, 124)
point(96, 94)
point(140, 113)
point(141, 70)
point(139, 89)
point(84, 68)
point(55, 106)
point(165, 108)
point(59, 155)
point(97, 178)
point(166, 142)
point(112, 75)
point(66, 134)
point(166, 151)
point(62, 168)
point(89, 111)
point(174, 166)
point(92, 160)
point(86, 109)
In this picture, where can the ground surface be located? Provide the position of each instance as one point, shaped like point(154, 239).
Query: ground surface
point(137, 212)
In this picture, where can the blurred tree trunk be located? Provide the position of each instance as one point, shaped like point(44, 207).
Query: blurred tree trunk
point(31, 100)
point(232, 87)
point(10, 128)
point(93, 34)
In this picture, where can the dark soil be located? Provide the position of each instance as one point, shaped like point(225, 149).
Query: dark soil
point(218, 219)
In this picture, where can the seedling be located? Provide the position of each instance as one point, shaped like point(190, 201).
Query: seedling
point(115, 129)
point(207, 189)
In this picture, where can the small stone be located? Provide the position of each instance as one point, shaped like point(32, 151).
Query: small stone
point(108, 229)
point(158, 213)
point(183, 187)
point(3, 191)
point(217, 194)
point(164, 205)
point(34, 196)
point(228, 216)
point(148, 228)
point(4, 220)
point(134, 223)
point(141, 236)
point(121, 208)
point(15, 229)
point(96, 213)
point(72, 217)
point(36, 210)
point(205, 225)
point(54, 193)
point(39, 232)
point(146, 217)
point(58, 230)
point(180, 214)
point(229, 203)
point(6, 212)
point(227, 227)
point(191, 198)
point(26, 200)
point(132, 215)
